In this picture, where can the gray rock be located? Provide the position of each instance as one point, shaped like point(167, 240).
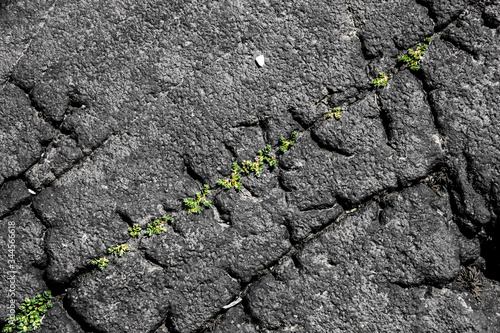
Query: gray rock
point(491, 13)
point(20, 22)
point(443, 12)
point(131, 295)
point(372, 273)
point(235, 320)
point(60, 156)
point(22, 133)
point(12, 194)
point(58, 320)
point(116, 112)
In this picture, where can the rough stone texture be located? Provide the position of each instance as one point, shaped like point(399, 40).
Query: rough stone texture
point(114, 290)
point(57, 320)
point(355, 277)
point(235, 320)
point(115, 112)
point(21, 21)
point(363, 155)
point(23, 134)
point(388, 27)
point(12, 194)
point(61, 154)
point(462, 74)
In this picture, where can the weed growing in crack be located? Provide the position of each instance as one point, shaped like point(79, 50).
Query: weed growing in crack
point(335, 113)
point(257, 166)
point(101, 263)
point(134, 231)
point(412, 57)
point(287, 144)
point(158, 225)
point(201, 198)
point(119, 250)
point(471, 280)
point(31, 315)
point(234, 181)
point(438, 181)
point(381, 80)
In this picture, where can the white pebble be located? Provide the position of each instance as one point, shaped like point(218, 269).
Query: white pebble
point(260, 60)
point(31, 191)
point(233, 303)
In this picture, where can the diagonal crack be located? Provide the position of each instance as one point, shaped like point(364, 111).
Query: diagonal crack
point(298, 246)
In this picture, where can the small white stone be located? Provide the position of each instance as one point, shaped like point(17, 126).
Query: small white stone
point(233, 303)
point(260, 60)
point(31, 191)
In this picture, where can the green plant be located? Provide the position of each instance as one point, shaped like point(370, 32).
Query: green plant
point(134, 230)
point(102, 263)
point(335, 113)
point(257, 166)
point(381, 80)
point(287, 144)
point(158, 225)
point(119, 249)
point(470, 278)
point(31, 315)
point(412, 57)
point(235, 179)
point(201, 198)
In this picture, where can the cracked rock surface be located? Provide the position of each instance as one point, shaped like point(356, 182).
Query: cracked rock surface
point(385, 220)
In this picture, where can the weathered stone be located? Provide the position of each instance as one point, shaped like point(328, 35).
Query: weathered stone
point(130, 295)
point(22, 133)
point(12, 194)
point(358, 275)
point(116, 112)
point(58, 320)
point(60, 156)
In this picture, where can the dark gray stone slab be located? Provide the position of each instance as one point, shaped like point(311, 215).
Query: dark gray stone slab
point(116, 112)
point(133, 293)
point(58, 320)
point(372, 273)
point(61, 154)
point(21, 21)
point(23, 133)
point(12, 194)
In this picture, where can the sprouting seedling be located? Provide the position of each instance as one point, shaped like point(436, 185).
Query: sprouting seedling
point(158, 225)
point(134, 231)
point(381, 80)
point(119, 250)
point(101, 263)
point(287, 144)
point(412, 57)
point(334, 113)
point(201, 198)
point(234, 181)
